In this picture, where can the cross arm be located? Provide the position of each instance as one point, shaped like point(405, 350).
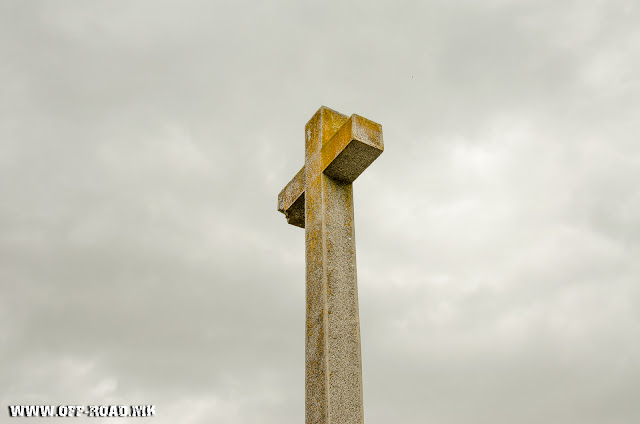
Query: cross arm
point(352, 149)
point(291, 200)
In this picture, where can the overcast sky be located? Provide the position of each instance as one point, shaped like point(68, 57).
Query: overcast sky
point(142, 259)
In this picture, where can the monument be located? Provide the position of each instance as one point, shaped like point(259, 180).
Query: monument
point(320, 200)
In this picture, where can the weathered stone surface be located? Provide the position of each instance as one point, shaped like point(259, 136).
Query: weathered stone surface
point(291, 199)
point(320, 199)
point(352, 149)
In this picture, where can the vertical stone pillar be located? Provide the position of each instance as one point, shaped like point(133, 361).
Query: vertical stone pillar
point(333, 361)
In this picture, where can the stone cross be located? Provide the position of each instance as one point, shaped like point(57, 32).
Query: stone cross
point(320, 200)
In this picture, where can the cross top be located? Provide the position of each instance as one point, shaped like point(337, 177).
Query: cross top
point(340, 147)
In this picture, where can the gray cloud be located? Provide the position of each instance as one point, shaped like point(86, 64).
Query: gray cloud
point(142, 147)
